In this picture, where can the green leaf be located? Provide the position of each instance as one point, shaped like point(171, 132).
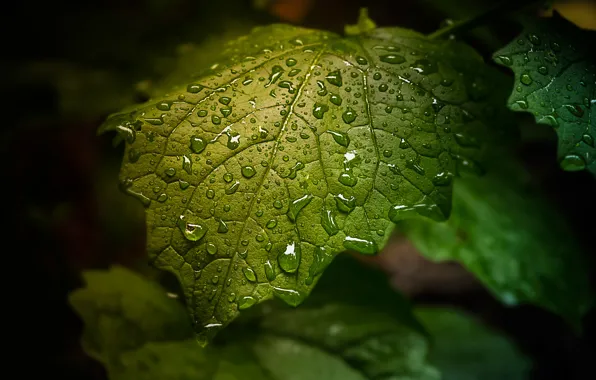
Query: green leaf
point(331, 341)
point(506, 233)
point(123, 311)
point(465, 349)
point(555, 80)
point(297, 146)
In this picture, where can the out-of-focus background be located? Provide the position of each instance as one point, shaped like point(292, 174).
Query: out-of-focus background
point(70, 65)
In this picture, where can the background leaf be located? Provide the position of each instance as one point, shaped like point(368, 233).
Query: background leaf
point(334, 340)
point(555, 80)
point(506, 233)
point(464, 349)
point(297, 146)
point(124, 311)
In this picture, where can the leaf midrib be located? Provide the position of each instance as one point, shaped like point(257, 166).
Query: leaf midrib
point(273, 155)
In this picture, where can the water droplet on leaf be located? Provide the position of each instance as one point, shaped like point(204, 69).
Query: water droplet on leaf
point(289, 259)
point(191, 231)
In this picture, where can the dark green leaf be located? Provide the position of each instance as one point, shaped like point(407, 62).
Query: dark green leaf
point(555, 80)
point(136, 339)
point(300, 144)
point(512, 239)
point(464, 349)
point(123, 311)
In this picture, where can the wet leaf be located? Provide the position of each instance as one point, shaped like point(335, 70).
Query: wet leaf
point(298, 145)
point(465, 349)
point(555, 80)
point(332, 341)
point(506, 233)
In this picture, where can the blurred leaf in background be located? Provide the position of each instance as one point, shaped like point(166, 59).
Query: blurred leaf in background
point(138, 330)
point(506, 233)
point(464, 349)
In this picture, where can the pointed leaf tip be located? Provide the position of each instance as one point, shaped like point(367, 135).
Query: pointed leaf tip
point(365, 24)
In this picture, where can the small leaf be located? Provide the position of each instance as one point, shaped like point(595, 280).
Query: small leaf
point(343, 137)
point(555, 80)
point(464, 349)
point(332, 341)
point(513, 240)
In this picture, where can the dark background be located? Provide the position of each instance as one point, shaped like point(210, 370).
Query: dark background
point(68, 66)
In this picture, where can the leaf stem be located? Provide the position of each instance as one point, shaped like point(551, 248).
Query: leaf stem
point(485, 17)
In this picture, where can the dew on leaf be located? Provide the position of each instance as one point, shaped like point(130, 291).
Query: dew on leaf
point(334, 78)
point(505, 60)
point(225, 111)
point(348, 179)
point(319, 110)
point(335, 99)
point(526, 79)
point(289, 259)
point(573, 162)
point(320, 261)
point(222, 228)
point(249, 274)
point(425, 67)
point(272, 223)
point(287, 85)
point(393, 59)
point(233, 188)
point(522, 104)
point(216, 120)
point(170, 172)
point(246, 302)
point(197, 144)
point(291, 62)
point(361, 60)
point(345, 203)
point(534, 39)
point(328, 223)
point(211, 249)
point(297, 205)
point(186, 164)
point(276, 72)
point(269, 271)
point(163, 106)
point(401, 212)
point(228, 177)
point(294, 169)
point(575, 109)
point(348, 116)
point(550, 120)
point(191, 231)
point(194, 88)
point(466, 140)
point(340, 137)
point(290, 296)
point(366, 247)
point(248, 171)
point(442, 179)
point(183, 184)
